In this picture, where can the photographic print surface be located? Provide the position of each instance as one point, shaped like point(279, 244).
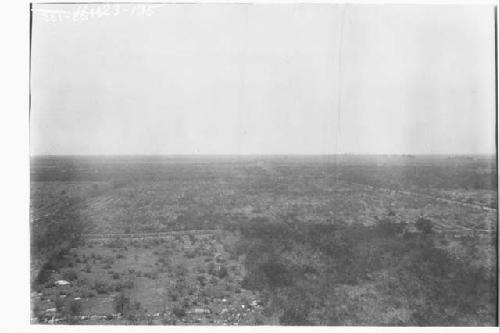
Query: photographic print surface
point(263, 164)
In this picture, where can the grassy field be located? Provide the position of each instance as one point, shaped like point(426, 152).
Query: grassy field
point(346, 240)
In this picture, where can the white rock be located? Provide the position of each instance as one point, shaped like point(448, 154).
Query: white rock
point(200, 311)
point(61, 283)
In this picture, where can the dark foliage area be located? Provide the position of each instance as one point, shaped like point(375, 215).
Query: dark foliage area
point(310, 272)
point(54, 235)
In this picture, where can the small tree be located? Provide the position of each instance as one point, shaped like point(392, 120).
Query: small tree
point(72, 309)
point(222, 272)
point(59, 303)
point(294, 316)
point(389, 228)
point(121, 303)
point(75, 307)
point(424, 225)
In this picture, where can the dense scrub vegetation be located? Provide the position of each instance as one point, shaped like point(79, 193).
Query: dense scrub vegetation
point(355, 275)
point(448, 174)
point(52, 236)
point(285, 217)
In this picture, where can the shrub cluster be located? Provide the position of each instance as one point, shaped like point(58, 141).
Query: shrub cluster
point(437, 288)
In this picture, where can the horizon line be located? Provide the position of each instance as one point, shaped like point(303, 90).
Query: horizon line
point(264, 154)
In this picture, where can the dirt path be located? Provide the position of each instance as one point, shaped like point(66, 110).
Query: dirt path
point(167, 234)
point(423, 195)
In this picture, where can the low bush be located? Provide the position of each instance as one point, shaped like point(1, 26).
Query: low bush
point(202, 280)
point(129, 284)
point(222, 272)
point(424, 225)
point(294, 317)
point(70, 275)
point(59, 303)
point(87, 293)
point(179, 312)
point(74, 307)
point(190, 254)
point(102, 287)
point(43, 276)
point(121, 303)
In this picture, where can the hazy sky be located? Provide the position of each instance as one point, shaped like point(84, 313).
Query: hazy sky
point(263, 79)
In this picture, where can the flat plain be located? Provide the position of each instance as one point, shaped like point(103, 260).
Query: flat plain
point(264, 240)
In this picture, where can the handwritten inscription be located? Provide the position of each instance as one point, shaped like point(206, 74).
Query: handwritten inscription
point(83, 13)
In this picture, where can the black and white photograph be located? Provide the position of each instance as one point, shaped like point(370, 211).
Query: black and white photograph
point(263, 164)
